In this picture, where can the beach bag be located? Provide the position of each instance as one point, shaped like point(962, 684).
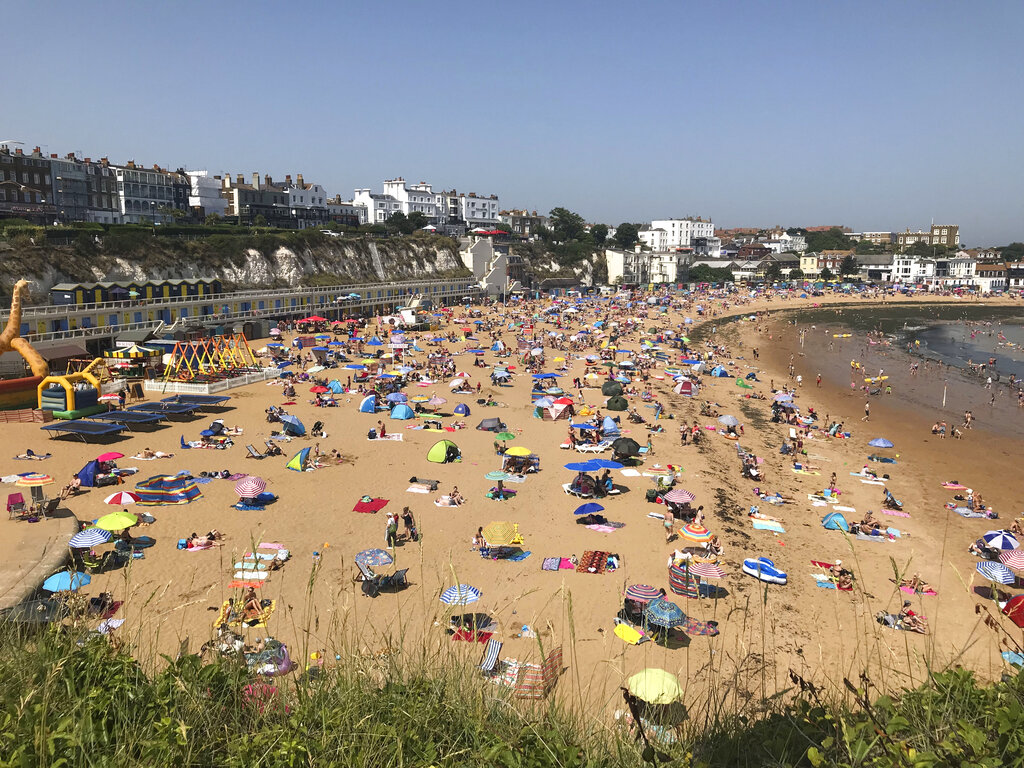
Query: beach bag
point(652, 495)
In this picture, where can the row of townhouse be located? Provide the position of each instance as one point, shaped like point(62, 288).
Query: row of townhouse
point(694, 235)
point(947, 235)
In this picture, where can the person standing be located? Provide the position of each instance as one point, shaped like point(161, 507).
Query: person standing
point(819, 381)
point(409, 523)
point(867, 410)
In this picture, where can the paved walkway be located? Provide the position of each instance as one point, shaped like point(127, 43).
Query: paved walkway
point(34, 551)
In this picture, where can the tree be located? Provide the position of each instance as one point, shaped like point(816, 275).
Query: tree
point(826, 274)
point(796, 274)
point(849, 266)
point(567, 225)
point(543, 233)
point(921, 248)
point(830, 240)
point(212, 219)
point(400, 224)
point(1013, 252)
point(417, 220)
point(702, 273)
point(503, 227)
point(773, 272)
point(599, 233)
point(260, 220)
point(627, 235)
point(866, 246)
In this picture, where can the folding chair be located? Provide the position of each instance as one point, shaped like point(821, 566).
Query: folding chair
point(252, 453)
point(15, 505)
point(489, 663)
point(394, 580)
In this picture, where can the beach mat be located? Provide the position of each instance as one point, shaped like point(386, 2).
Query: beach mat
point(593, 559)
point(370, 507)
point(895, 513)
point(910, 591)
point(389, 436)
point(565, 564)
point(417, 488)
point(251, 575)
point(768, 525)
point(244, 584)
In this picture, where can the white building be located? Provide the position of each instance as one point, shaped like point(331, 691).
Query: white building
point(378, 207)
point(204, 193)
point(786, 243)
point(497, 269)
point(479, 210)
point(341, 210)
point(143, 193)
point(912, 269)
point(640, 267)
point(670, 234)
point(419, 197)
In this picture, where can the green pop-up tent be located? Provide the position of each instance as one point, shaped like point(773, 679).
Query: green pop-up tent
point(444, 452)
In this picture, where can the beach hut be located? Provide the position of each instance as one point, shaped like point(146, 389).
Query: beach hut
point(617, 403)
point(368, 404)
point(834, 521)
point(444, 452)
point(162, 489)
point(462, 409)
point(300, 461)
point(402, 411)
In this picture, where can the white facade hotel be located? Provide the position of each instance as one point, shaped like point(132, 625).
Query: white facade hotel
point(670, 234)
point(204, 193)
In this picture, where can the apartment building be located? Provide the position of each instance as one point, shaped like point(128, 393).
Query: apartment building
point(26, 190)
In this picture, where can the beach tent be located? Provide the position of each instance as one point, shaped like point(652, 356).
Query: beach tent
point(292, 426)
point(834, 521)
point(742, 384)
point(617, 403)
point(684, 583)
point(552, 411)
point(299, 461)
point(444, 452)
point(336, 387)
point(368, 404)
point(402, 411)
point(162, 489)
point(720, 372)
point(698, 367)
point(609, 428)
point(87, 474)
point(686, 388)
point(462, 409)
point(492, 424)
point(611, 388)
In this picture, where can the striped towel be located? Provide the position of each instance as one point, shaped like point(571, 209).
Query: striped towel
point(768, 525)
point(269, 545)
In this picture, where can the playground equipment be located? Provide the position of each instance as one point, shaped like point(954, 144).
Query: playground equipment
point(73, 395)
point(20, 393)
point(213, 359)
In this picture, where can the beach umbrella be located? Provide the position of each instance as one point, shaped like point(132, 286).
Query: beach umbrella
point(706, 570)
point(506, 436)
point(250, 487)
point(497, 474)
point(729, 421)
point(664, 613)
point(419, 398)
point(544, 402)
point(626, 446)
point(518, 451)
point(499, 534)
point(374, 557)
point(121, 498)
point(880, 442)
point(33, 480)
point(589, 508)
point(582, 466)
point(642, 593)
point(996, 572)
point(90, 537)
point(1014, 558)
point(1000, 540)
point(117, 521)
point(397, 397)
point(606, 464)
point(207, 433)
point(696, 533)
point(679, 496)
point(66, 581)
point(356, 367)
point(655, 686)
point(319, 389)
point(463, 594)
point(110, 456)
point(783, 397)
point(1014, 610)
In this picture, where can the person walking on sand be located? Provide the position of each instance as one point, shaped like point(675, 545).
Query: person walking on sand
point(867, 410)
point(669, 523)
point(819, 381)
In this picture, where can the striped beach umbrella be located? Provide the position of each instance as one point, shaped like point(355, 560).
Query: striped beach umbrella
point(996, 572)
point(679, 496)
point(1012, 558)
point(121, 498)
point(695, 533)
point(90, 537)
point(463, 594)
point(33, 480)
point(642, 593)
point(1000, 540)
point(706, 570)
point(250, 487)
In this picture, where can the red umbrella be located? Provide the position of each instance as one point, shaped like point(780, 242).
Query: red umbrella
point(642, 593)
point(564, 401)
point(250, 486)
point(121, 498)
point(314, 319)
point(319, 389)
point(706, 570)
point(110, 456)
point(679, 496)
point(1013, 558)
point(1014, 610)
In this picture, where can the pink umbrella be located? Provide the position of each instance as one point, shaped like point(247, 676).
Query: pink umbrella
point(249, 486)
point(706, 570)
point(642, 593)
point(121, 498)
point(679, 496)
point(1013, 558)
point(110, 456)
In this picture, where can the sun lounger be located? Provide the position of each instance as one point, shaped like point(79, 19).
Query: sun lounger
point(82, 429)
point(567, 487)
point(599, 448)
point(490, 658)
point(128, 418)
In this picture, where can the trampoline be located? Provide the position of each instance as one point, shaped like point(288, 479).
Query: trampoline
point(129, 418)
point(196, 399)
point(82, 429)
point(174, 409)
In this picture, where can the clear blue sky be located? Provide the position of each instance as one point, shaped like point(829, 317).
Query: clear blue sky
point(876, 115)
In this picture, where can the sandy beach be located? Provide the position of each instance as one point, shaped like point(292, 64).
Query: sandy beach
point(171, 597)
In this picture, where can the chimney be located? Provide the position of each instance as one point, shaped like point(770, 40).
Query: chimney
point(256, 181)
point(87, 160)
point(53, 156)
point(267, 181)
point(19, 152)
point(130, 164)
point(37, 151)
point(239, 179)
point(298, 178)
point(156, 167)
point(104, 162)
point(288, 180)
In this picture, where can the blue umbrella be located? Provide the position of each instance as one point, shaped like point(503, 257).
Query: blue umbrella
point(607, 463)
point(583, 426)
point(880, 442)
point(285, 364)
point(463, 594)
point(664, 613)
point(583, 466)
point(374, 557)
point(90, 537)
point(588, 508)
point(1000, 540)
point(66, 580)
point(996, 572)
point(355, 367)
point(397, 397)
point(206, 433)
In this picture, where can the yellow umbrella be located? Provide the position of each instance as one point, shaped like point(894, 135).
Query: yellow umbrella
point(500, 534)
point(559, 359)
point(117, 521)
point(655, 686)
point(518, 451)
point(33, 480)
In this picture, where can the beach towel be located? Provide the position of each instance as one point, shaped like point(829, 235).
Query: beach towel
point(805, 472)
point(371, 507)
point(147, 458)
point(893, 532)
point(550, 564)
point(866, 537)
point(629, 634)
point(845, 509)
point(518, 556)
point(417, 488)
point(244, 584)
point(237, 476)
point(954, 486)
point(910, 591)
point(199, 547)
point(825, 584)
point(565, 564)
point(895, 513)
point(630, 472)
point(259, 556)
point(821, 563)
point(768, 525)
point(872, 482)
point(202, 480)
point(268, 545)
point(251, 575)
point(656, 515)
point(389, 436)
point(225, 616)
point(602, 528)
point(593, 562)
point(472, 637)
point(251, 565)
point(965, 512)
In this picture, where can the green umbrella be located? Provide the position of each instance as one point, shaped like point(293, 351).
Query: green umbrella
point(506, 436)
point(497, 475)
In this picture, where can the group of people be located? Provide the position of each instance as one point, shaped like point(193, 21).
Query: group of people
point(410, 532)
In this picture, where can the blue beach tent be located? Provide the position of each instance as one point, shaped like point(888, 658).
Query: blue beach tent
point(402, 411)
point(462, 409)
point(834, 521)
point(369, 404)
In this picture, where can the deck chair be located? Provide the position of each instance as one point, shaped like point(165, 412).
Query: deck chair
point(489, 663)
point(49, 507)
point(252, 453)
point(15, 505)
point(96, 564)
point(394, 580)
point(369, 580)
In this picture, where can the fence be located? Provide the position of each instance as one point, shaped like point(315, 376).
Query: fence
point(209, 388)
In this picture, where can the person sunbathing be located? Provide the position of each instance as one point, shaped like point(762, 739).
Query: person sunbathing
point(757, 514)
point(252, 608)
point(30, 454)
point(836, 570)
point(912, 622)
point(916, 583)
point(845, 580)
point(456, 497)
point(71, 488)
point(211, 539)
